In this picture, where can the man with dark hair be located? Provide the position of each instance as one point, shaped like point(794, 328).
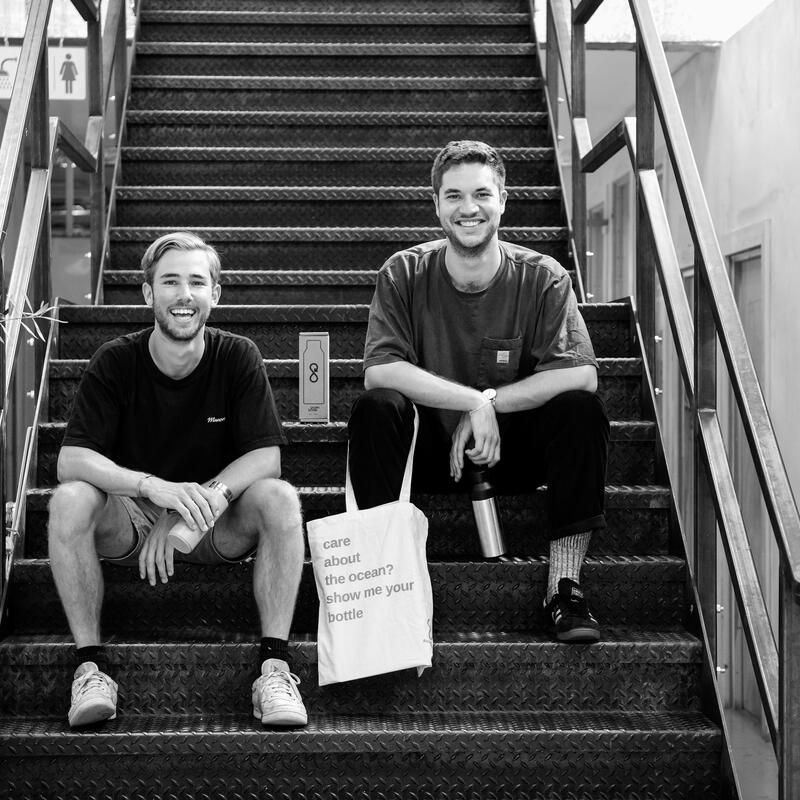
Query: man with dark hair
point(486, 339)
point(176, 424)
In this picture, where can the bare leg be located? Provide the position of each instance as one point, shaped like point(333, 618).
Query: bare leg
point(270, 510)
point(81, 517)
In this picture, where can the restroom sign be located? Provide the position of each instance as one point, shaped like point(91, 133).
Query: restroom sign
point(67, 67)
point(9, 58)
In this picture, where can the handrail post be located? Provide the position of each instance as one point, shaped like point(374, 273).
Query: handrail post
point(789, 697)
point(705, 521)
point(40, 159)
point(645, 160)
point(3, 418)
point(579, 217)
point(121, 71)
point(552, 67)
point(94, 42)
point(42, 284)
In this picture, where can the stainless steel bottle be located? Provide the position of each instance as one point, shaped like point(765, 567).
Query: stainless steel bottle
point(487, 521)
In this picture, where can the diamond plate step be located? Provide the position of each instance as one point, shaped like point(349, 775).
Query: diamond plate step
point(637, 517)
point(330, 59)
point(312, 166)
point(531, 755)
point(318, 92)
point(328, 207)
point(313, 248)
point(645, 592)
point(330, 7)
point(393, 25)
point(631, 670)
point(257, 128)
point(619, 386)
point(293, 287)
point(274, 328)
point(365, 92)
point(315, 454)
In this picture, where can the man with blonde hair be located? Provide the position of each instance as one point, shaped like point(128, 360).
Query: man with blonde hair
point(176, 425)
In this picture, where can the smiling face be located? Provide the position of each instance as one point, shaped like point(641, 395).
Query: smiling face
point(182, 294)
point(469, 205)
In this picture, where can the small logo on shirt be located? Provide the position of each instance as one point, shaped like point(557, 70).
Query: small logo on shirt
point(216, 419)
point(502, 356)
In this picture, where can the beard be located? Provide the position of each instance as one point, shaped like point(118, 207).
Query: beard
point(178, 333)
point(475, 248)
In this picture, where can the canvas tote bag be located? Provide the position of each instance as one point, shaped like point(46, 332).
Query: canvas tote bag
point(375, 598)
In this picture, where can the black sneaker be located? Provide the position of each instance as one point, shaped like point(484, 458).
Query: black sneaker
point(571, 617)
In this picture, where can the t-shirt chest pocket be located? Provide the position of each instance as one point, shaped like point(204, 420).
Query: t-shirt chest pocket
point(499, 362)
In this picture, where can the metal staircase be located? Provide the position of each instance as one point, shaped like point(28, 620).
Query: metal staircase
point(299, 142)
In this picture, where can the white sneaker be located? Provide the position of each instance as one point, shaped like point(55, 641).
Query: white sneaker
point(276, 700)
point(94, 696)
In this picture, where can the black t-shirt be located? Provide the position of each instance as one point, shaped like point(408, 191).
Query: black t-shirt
point(180, 430)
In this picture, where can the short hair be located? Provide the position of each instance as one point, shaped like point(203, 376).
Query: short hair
point(466, 151)
point(178, 240)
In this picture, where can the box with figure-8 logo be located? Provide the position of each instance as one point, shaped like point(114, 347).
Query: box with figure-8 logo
point(314, 377)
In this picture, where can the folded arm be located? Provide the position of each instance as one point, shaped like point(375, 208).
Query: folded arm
point(539, 388)
point(421, 386)
point(478, 422)
point(196, 503)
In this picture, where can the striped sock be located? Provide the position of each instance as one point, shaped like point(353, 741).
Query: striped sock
point(566, 560)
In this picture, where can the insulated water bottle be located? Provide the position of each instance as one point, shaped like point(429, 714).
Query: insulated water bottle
point(488, 523)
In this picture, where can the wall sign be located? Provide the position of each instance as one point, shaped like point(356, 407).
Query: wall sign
point(67, 73)
point(9, 58)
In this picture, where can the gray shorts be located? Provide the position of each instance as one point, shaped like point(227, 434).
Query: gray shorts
point(144, 516)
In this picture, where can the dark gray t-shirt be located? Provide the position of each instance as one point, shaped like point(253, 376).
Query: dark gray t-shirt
point(526, 320)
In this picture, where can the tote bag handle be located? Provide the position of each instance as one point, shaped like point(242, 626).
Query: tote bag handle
point(405, 488)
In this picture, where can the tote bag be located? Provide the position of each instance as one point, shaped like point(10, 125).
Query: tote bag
point(375, 598)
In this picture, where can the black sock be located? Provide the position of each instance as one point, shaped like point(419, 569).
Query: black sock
point(94, 652)
point(273, 648)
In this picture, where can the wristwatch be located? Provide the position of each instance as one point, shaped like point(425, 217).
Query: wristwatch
point(219, 486)
point(490, 395)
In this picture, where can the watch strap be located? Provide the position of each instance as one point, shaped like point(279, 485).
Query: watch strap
point(219, 486)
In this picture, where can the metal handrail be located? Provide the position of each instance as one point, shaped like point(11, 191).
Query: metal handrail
point(33, 46)
point(716, 318)
point(29, 129)
point(123, 91)
point(18, 516)
point(36, 201)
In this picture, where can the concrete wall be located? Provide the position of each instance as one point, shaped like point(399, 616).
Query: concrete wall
point(741, 105)
point(744, 127)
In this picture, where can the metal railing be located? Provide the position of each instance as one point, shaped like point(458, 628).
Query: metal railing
point(697, 332)
point(28, 150)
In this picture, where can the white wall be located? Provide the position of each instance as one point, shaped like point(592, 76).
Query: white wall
point(743, 119)
point(741, 105)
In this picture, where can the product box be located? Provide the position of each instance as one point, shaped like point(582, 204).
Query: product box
point(314, 377)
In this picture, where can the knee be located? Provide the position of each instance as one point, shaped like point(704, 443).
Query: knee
point(583, 411)
point(277, 504)
point(377, 407)
point(74, 507)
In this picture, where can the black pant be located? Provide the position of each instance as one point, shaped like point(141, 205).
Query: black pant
point(564, 444)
